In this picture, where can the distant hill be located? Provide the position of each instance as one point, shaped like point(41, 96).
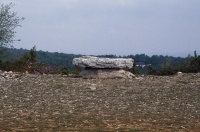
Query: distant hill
point(56, 59)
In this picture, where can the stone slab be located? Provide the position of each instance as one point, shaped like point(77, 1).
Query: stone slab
point(102, 63)
point(105, 73)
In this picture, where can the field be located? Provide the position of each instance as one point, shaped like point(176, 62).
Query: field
point(59, 103)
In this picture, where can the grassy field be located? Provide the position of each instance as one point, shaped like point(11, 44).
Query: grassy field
point(58, 103)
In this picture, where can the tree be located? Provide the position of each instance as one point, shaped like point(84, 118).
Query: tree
point(8, 22)
point(65, 71)
point(151, 71)
point(134, 69)
point(33, 54)
point(26, 62)
point(195, 63)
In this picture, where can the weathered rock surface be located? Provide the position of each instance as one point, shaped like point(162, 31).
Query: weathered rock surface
point(105, 73)
point(9, 75)
point(101, 63)
point(95, 67)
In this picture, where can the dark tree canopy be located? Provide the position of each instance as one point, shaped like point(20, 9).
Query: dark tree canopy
point(8, 22)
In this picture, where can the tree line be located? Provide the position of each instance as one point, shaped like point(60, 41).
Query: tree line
point(18, 59)
point(190, 64)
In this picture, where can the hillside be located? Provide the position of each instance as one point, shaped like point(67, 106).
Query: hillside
point(60, 103)
point(52, 59)
point(62, 59)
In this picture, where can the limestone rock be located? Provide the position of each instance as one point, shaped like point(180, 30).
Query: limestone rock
point(179, 73)
point(105, 73)
point(9, 75)
point(102, 63)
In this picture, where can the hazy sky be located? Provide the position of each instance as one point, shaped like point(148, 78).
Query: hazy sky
point(120, 27)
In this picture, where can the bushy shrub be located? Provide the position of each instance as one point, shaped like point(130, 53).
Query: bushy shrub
point(134, 69)
point(64, 71)
point(76, 71)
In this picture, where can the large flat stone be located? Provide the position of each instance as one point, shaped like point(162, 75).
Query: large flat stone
point(102, 63)
point(105, 73)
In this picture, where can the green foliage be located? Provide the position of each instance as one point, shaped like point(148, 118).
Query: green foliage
point(191, 65)
point(134, 69)
point(2, 50)
point(155, 65)
point(76, 71)
point(33, 55)
point(24, 62)
point(195, 63)
point(60, 59)
point(51, 59)
point(20, 65)
point(56, 59)
point(151, 71)
point(28, 63)
point(6, 66)
point(8, 22)
point(64, 71)
point(166, 71)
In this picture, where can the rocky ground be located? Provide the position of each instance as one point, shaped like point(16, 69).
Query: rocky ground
point(61, 103)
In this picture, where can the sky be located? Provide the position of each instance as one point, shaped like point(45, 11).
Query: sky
point(119, 27)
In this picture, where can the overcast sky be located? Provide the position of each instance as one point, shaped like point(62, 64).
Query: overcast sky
point(120, 27)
